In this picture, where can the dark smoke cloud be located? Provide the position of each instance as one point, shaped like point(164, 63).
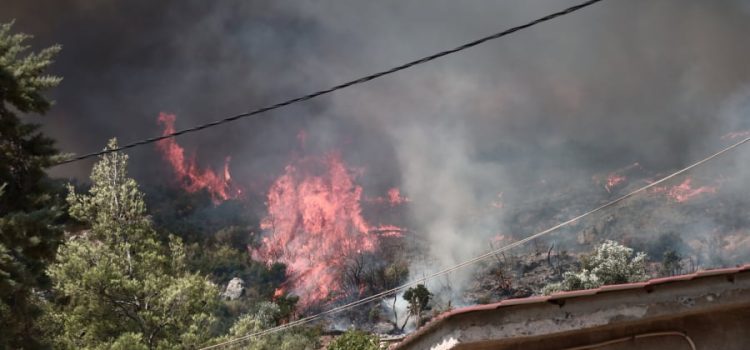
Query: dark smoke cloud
point(541, 111)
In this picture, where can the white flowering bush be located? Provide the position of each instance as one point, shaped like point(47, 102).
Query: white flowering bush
point(611, 263)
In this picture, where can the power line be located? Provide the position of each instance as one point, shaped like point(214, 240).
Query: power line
point(477, 258)
point(334, 88)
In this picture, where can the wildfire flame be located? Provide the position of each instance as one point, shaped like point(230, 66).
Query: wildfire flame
point(613, 180)
point(393, 198)
point(315, 225)
point(190, 176)
point(684, 191)
point(617, 178)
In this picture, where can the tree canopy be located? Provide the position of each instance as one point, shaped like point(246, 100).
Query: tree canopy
point(119, 283)
point(29, 207)
point(355, 340)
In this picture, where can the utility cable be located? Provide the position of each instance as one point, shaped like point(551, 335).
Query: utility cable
point(684, 336)
point(334, 88)
point(478, 258)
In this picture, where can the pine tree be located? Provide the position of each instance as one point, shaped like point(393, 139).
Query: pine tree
point(28, 207)
point(120, 283)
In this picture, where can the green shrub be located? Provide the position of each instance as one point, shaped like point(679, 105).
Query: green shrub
point(611, 263)
point(355, 340)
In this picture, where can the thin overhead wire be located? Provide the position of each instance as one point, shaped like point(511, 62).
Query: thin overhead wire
point(477, 258)
point(334, 88)
point(682, 335)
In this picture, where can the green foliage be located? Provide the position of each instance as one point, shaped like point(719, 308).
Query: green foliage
point(287, 306)
point(418, 298)
point(222, 260)
point(224, 256)
point(29, 233)
point(217, 241)
point(264, 316)
point(671, 263)
point(197, 218)
point(394, 274)
point(355, 340)
point(119, 283)
point(611, 263)
point(129, 341)
point(22, 78)
point(664, 243)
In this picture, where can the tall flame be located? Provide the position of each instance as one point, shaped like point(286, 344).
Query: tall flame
point(190, 176)
point(315, 225)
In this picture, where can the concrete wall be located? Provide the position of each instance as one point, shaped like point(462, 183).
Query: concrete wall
point(727, 330)
point(714, 311)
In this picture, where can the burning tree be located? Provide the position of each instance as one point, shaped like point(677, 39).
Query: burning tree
point(315, 227)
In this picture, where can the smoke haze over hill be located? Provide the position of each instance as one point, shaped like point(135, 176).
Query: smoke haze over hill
point(518, 125)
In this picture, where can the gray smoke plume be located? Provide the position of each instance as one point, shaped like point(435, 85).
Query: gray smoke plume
point(476, 140)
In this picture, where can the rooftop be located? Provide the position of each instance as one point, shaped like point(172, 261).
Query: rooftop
point(562, 297)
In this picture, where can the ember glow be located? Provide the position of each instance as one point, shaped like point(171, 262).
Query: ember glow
point(684, 191)
point(315, 225)
point(614, 180)
point(618, 178)
point(189, 175)
point(388, 231)
point(393, 198)
point(736, 135)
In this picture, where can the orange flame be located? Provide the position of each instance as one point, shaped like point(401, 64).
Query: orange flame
point(388, 231)
point(395, 198)
point(613, 180)
point(617, 178)
point(684, 191)
point(191, 177)
point(315, 225)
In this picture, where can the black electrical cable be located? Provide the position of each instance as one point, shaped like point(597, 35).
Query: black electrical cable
point(334, 88)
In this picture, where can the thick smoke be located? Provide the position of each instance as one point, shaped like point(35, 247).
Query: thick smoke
point(477, 139)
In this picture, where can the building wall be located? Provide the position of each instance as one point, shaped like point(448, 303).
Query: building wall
point(727, 330)
point(713, 310)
